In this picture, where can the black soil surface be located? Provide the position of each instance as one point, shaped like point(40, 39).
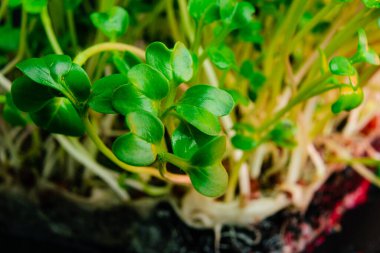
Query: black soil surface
point(54, 223)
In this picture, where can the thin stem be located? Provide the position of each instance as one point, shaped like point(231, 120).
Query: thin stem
point(73, 32)
point(2, 99)
point(82, 57)
point(46, 21)
point(175, 160)
point(76, 150)
point(91, 132)
point(3, 8)
point(172, 20)
point(22, 44)
point(234, 177)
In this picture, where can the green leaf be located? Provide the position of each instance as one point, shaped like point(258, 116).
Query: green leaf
point(210, 152)
point(222, 56)
point(149, 81)
point(10, 37)
point(12, 115)
point(283, 134)
point(236, 16)
point(364, 53)
point(126, 62)
point(34, 6)
point(60, 73)
point(372, 3)
point(182, 63)
point(14, 3)
point(238, 97)
point(113, 23)
point(145, 125)
point(59, 116)
point(200, 118)
point(212, 99)
point(133, 150)
point(205, 10)
point(102, 93)
point(29, 96)
point(348, 100)
point(252, 33)
point(127, 98)
point(243, 142)
point(71, 4)
point(159, 57)
point(341, 66)
point(210, 181)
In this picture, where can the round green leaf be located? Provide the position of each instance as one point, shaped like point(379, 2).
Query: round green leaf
point(59, 116)
point(210, 153)
point(182, 63)
point(145, 125)
point(341, 66)
point(212, 99)
point(236, 16)
point(127, 98)
point(210, 181)
point(348, 100)
point(222, 56)
point(60, 73)
point(102, 93)
point(34, 6)
point(112, 23)
point(149, 81)
point(133, 150)
point(243, 142)
point(238, 97)
point(208, 10)
point(29, 96)
point(158, 56)
point(186, 140)
point(200, 118)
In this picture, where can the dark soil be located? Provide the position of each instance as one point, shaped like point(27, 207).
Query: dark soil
point(54, 223)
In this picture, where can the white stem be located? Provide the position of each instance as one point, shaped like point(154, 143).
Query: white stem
point(317, 160)
point(5, 83)
point(257, 160)
point(81, 155)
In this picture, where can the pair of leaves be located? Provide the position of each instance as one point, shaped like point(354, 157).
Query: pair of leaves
point(203, 154)
point(364, 53)
point(113, 23)
point(222, 56)
point(176, 65)
point(235, 15)
point(243, 139)
point(54, 92)
point(139, 146)
point(205, 11)
point(349, 99)
point(201, 105)
point(114, 94)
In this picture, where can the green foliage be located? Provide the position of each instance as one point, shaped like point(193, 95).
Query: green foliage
point(182, 63)
point(205, 11)
point(34, 6)
point(283, 134)
point(127, 98)
point(364, 53)
point(159, 57)
point(102, 91)
point(341, 66)
point(145, 125)
point(134, 150)
point(348, 100)
point(210, 181)
point(54, 92)
point(113, 23)
point(9, 38)
point(71, 4)
point(235, 15)
point(372, 3)
point(222, 56)
point(12, 114)
point(243, 142)
point(149, 81)
point(215, 100)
